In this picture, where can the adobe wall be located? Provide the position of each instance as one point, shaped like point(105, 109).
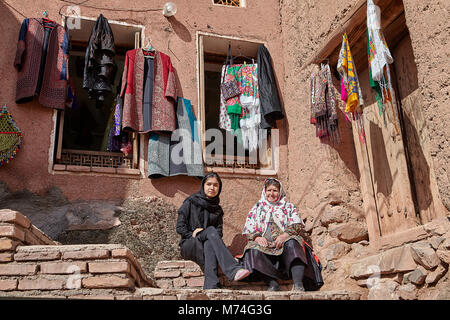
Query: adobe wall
point(316, 170)
point(29, 171)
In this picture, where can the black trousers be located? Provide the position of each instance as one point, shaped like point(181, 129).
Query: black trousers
point(215, 254)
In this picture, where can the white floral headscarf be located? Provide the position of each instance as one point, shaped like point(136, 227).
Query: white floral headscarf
point(284, 214)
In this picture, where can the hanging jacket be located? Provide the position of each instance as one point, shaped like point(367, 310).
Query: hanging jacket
point(164, 92)
point(99, 66)
point(42, 59)
point(268, 92)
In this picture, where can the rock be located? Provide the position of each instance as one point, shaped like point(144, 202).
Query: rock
point(416, 277)
point(99, 215)
point(335, 251)
point(437, 274)
point(334, 197)
point(446, 243)
point(437, 227)
point(407, 292)
point(384, 291)
point(350, 232)
point(444, 255)
point(391, 261)
point(424, 254)
point(334, 214)
point(436, 241)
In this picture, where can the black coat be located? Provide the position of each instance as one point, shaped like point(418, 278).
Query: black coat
point(192, 216)
point(99, 65)
point(269, 97)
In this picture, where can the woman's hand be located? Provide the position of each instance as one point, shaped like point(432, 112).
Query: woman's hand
point(279, 241)
point(262, 241)
point(196, 231)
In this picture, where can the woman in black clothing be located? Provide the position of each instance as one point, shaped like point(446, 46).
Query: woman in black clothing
point(200, 223)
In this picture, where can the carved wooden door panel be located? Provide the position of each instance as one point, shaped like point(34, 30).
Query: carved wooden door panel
point(385, 177)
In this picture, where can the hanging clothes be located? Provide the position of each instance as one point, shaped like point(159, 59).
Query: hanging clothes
point(379, 58)
point(347, 70)
point(10, 137)
point(251, 117)
point(270, 102)
point(42, 59)
point(99, 65)
point(323, 104)
point(163, 93)
point(178, 153)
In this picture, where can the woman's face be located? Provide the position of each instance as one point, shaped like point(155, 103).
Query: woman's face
point(211, 187)
point(272, 193)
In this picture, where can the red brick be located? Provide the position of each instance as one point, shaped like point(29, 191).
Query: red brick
point(164, 284)
point(40, 284)
point(6, 257)
point(8, 285)
point(78, 168)
point(12, 231)
point(104, 170)
point(167, 274)
point(111, 281)
point(195, 282)
point(15, 217)
point(128, 171)
point(189, 274)
point(41, 236)
point(63, 267)
point(31, 239)
point(17, 269)
point(109, 267)
point(8, 244)
point(179, 282)
point(37, 256)
point(86, 254)
point(170, 265)
point(59, 167)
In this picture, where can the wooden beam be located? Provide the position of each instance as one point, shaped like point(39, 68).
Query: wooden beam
point(355, 27)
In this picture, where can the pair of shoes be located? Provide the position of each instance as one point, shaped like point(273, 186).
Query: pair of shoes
point(241, 274)
point(274, 287)
point(298, 287)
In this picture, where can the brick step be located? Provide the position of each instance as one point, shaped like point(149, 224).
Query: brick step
point(185, 294)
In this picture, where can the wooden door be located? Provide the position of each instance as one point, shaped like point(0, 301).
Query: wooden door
point(385, 180)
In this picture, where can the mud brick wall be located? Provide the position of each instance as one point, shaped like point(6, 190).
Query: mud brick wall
point(181, 274)
point(31, 264)
point(16, 229)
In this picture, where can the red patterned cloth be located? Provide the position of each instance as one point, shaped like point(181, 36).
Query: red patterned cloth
point(53, 91)
point(164, 92)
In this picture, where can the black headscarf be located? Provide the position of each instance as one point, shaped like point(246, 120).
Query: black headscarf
point(209, 205)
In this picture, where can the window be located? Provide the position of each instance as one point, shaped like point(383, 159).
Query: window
point(231, 3)
point(82, 130)
point(221, 149)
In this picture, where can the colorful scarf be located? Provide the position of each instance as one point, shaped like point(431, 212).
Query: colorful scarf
point(10, 137)
point(284, 214)
point(347, 70)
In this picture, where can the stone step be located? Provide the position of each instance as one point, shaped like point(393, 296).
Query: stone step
point(183, 294)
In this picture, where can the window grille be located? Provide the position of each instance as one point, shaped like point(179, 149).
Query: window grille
point(231, 3)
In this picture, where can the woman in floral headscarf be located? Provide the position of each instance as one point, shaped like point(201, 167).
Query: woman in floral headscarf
point(274, 250)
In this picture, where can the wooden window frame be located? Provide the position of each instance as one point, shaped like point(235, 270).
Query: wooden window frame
point(56, 151)
point(235, 169)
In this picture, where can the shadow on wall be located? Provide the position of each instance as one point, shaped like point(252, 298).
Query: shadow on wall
point(180, 30)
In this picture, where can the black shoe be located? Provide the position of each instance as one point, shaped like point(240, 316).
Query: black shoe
point(298, 287)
